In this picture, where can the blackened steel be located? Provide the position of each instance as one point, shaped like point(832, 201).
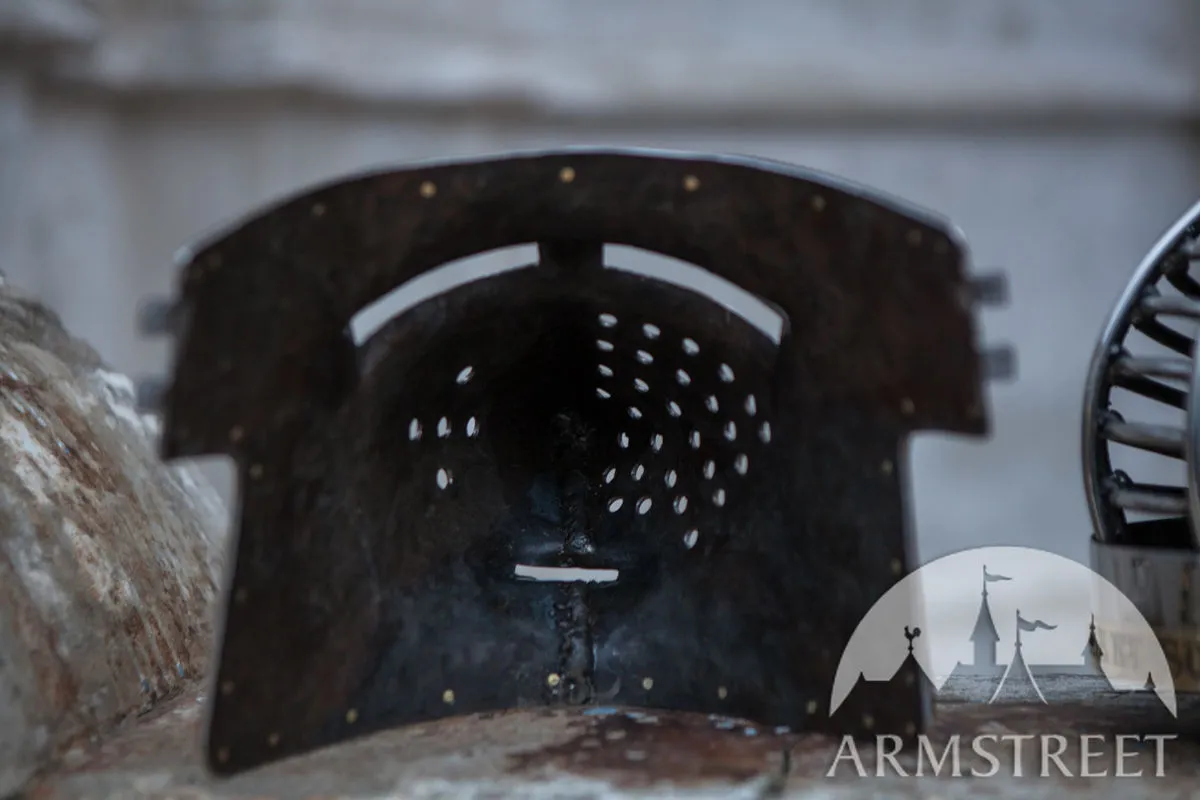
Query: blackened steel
point(748, 493)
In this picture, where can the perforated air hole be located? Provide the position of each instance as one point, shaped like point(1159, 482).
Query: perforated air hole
point(751, 405)
point(414, 430)
point(726, 373)
point(603, 394)
point(637, 472)
point(656, 442)
point(764, 432)
point(605, 370)
point(644, 357)
point(681, 504)
point(610, 474)
point(711, 404)
point(694, 440)
point(690, 347)
point(670, 478)
point(623, 440)
point(641, 385)
point(604, 345)
point(635, 412)
point(651, 331)
point(443, 429)
point(690, 538)
point(644, 504)
point(615, 504)
point(683, 378)
point(444, 478)
point(465, 375)
point(730, 431)
point(719, 498)
point(710, 469)
point(608, 321)
point(741, 463)
point(472, 428)
point(673, 409)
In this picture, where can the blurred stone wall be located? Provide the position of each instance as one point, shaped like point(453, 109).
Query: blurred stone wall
point(1058, 134)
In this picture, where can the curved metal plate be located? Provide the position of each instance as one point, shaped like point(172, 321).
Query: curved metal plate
point(389, 495)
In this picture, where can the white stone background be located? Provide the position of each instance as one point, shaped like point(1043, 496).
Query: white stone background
point(1057, 134)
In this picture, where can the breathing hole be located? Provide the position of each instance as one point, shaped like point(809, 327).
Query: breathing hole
point(690, 538)
point(656, 442)
point(644, 357)
point(644, 504)
point(694, 440)
point(623, 440)
point(651, 331)
point(681, 504)
point(670, 478)
point(711, 404)
point(615, 504)
point(683, 378)
point(602, 393)
point(605, 370)
point(610, 474)
point(742, 463)
point(414, 430)
point(641, 385)
point(730, 431)
point(637, 472)
point(751, 405)
point(449, 276)
point(472, 428)
point(608, 321)
point(710, 469)
point(690, 347)
point(719, 498)
point(465, 375)
point(443, 428)
point(444, 478)
point(604, 345)
point(726, 373)
point(635, 412)
point(764, 432)
point(673, 409)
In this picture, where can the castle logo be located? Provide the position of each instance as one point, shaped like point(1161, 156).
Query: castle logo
point(1008, 625)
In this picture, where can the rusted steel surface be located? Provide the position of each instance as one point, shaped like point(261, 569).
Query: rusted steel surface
point(623, 753)
point(107, 558)
point(749, 492)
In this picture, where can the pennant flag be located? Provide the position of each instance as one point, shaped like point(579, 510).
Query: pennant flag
point(1037, 624)
point(990, 578)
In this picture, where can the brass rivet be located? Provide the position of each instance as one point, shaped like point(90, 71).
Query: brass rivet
point(239, 596)
point(647, 683)
point(886, 466)
point(227, 687)
point(352, 716)
point(914, 237)
point(273, 740)
point(868, 721)
point(811, 708)
point(909, 678)
point(448, 697)
point(428, 189)
point(818, 203)
point(214, 260)
point(941, 247)
point(691, 183)
point(897, 567)
point(236, 433)
point(222, 754)
point(907, 406)
point(256, 471)
point(909, 728)
point(318, 209)
point(722, 692)
point(566, 174)
point(553, 680)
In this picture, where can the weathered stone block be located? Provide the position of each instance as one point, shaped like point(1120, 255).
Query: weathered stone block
point(108, 558)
